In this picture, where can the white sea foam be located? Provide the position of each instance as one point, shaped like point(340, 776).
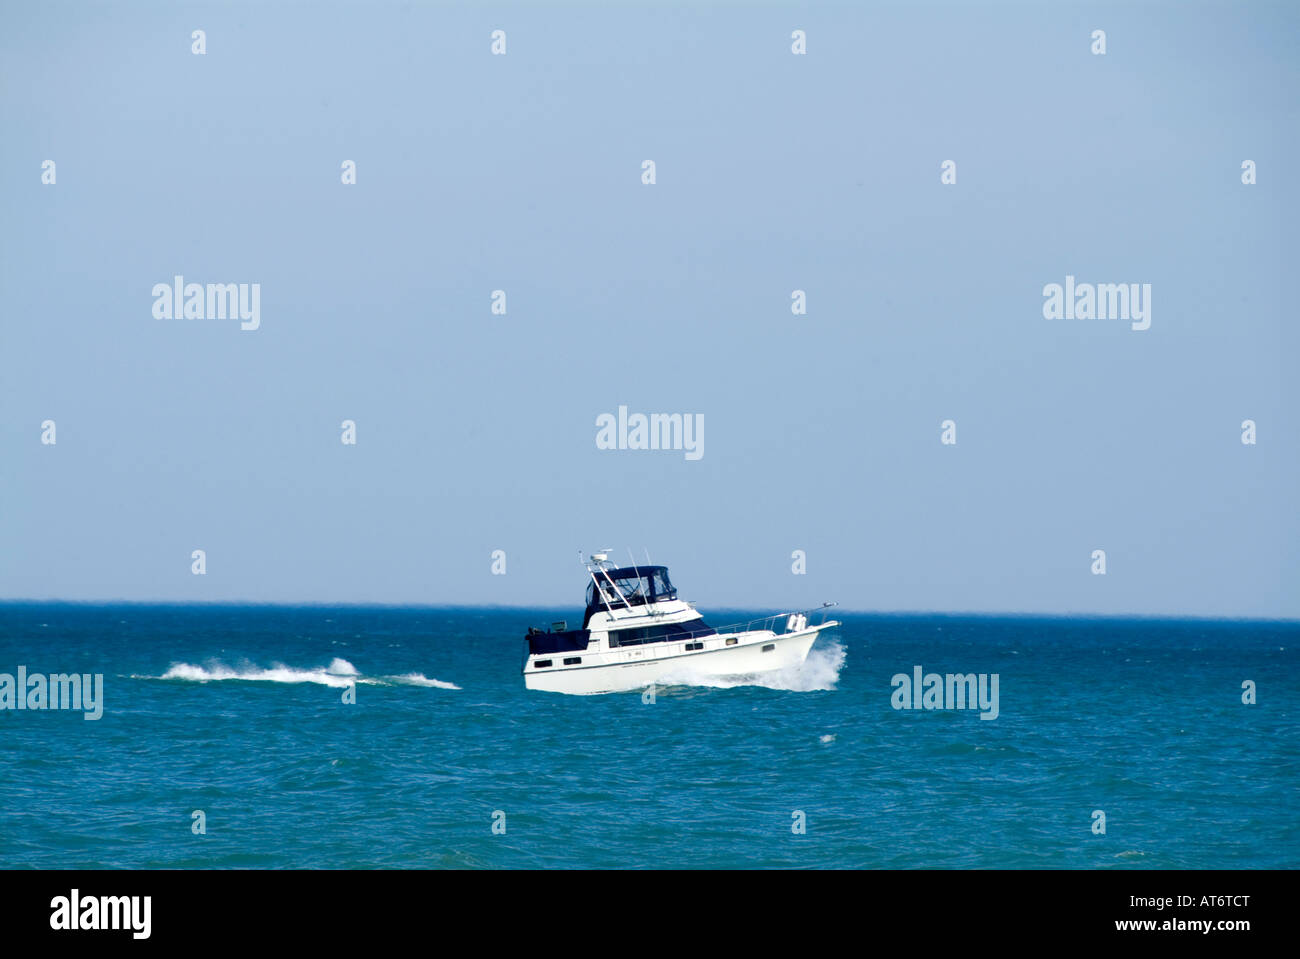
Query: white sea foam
point(339, 674)
point(820, 671)
point(419, 679)
point(340, 667)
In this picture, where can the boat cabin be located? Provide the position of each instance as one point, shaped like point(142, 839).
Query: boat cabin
point(610, 590)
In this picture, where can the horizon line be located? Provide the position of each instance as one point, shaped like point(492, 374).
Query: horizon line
point(320, 604)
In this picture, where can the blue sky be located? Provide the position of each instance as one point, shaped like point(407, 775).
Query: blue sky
point(774, 173)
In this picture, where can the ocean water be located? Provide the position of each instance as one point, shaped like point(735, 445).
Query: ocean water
point(238, 712)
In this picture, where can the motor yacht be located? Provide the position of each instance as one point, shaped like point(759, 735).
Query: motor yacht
point(636, 632)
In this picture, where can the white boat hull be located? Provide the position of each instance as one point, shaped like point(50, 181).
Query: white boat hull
point(637, 667)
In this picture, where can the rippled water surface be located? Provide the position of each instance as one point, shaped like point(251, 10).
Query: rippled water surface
point(239, 712)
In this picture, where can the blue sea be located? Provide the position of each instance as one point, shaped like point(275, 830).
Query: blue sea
point(238, 713)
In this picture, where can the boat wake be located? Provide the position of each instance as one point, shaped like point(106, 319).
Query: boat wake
point(339, 673)
point(819, 672)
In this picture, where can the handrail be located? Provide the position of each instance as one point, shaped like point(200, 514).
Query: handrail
point(770, 622)
point(745, 627)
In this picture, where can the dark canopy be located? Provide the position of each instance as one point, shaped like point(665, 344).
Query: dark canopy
point(636, 584)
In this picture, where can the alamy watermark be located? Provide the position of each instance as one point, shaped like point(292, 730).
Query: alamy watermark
point(56, 691)
point(656, 431)
point(1099, 301)
point(923, 690)
point(214, 301)
point(75, 912)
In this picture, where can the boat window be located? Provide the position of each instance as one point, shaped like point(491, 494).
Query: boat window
point(667, 632)
point(731, 640)
point(627, 637)
point(769, 647)
point(572, 660)
point(662, 587)
point(541, 664)
point(633, 589)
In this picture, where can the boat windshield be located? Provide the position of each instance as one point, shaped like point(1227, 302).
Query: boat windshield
point(634, 585)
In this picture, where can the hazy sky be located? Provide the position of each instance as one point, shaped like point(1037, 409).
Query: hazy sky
point(775, 172)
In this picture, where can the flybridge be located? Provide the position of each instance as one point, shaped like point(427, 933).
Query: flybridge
point(628, 586)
